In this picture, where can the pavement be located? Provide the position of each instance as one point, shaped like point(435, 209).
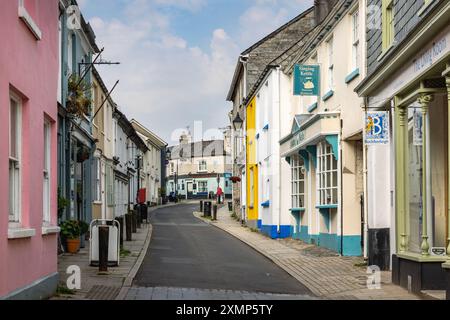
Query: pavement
point(326, 274)
point(188, 259)
point(113, 284)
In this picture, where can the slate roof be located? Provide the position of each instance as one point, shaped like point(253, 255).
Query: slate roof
point(267, 49)
point(199, 149)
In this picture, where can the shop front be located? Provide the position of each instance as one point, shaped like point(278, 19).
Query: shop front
point(418, 92)
point(313, 150)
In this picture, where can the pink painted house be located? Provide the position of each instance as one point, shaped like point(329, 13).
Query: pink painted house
point(28, 170)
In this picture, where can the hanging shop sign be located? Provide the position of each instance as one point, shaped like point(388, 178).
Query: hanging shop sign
point(377, 127)
point(306, 80)
point(417, 128)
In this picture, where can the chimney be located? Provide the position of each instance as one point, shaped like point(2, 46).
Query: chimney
point(322, 8)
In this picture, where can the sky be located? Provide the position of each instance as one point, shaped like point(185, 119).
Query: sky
point(177, 57)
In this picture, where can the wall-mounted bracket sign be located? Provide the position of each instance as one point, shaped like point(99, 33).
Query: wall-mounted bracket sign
point(306, 80)
point(377, 127)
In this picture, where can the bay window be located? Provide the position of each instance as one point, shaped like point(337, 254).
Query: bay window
point(297, 183)
point(327, 175)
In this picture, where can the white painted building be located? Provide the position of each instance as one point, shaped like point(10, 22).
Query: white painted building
point(152, 163)
point(323, 176)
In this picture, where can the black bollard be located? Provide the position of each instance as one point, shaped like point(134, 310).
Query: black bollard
point(137, 213)
point(214, 217)
point(103, 242)
point(134, 222)
point(129, 226)
point(120, 220)
point(201, 205)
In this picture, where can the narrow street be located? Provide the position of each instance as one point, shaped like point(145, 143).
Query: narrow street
point(186, 254)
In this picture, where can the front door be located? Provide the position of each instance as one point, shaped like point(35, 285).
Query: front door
point(190, 190)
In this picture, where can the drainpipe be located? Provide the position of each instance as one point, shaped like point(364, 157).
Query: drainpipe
point(341, 191)
point(278, 180)
point(365, 197)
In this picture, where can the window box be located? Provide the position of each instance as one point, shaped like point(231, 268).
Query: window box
point(327, 206)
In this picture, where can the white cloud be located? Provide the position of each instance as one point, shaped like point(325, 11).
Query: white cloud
point(166, 82)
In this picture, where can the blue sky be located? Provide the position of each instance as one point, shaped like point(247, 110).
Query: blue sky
point(178, 56)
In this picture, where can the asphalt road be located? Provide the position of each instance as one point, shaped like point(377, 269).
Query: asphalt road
point(186, 252)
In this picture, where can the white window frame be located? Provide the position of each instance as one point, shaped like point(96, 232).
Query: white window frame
point(202, 186)
point(202, 166)
point(327, 166)
point(330, 45)
point(46, 179)
point(28, 20)
point(355, 39)
point(98, 181)
point(14, 214)
point(297, 181)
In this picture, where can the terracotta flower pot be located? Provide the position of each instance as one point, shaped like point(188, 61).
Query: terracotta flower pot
point(73, 245)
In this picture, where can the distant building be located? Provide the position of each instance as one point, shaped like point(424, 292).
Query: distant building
point(152, 163)
point(196, 169)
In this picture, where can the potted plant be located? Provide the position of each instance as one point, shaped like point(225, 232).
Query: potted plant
point(71, 232)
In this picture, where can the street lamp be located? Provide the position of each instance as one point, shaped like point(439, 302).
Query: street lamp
point(238, 122)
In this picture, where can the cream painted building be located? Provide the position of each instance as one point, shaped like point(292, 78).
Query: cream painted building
point(322, 179)
point(103, 166)
point(196, 169)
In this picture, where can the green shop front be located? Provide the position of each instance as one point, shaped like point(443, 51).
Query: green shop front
point(418, 93)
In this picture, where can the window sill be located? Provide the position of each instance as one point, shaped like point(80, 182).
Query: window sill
point(97, 203)
point(266, 204)
point(48, 230)
point(26, 18)
point(20, 233)
point(328, 95)
point(312, 107)
point(352, 76)
point(327, 206)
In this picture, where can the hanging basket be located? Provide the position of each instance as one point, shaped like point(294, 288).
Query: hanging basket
point(78, 97)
